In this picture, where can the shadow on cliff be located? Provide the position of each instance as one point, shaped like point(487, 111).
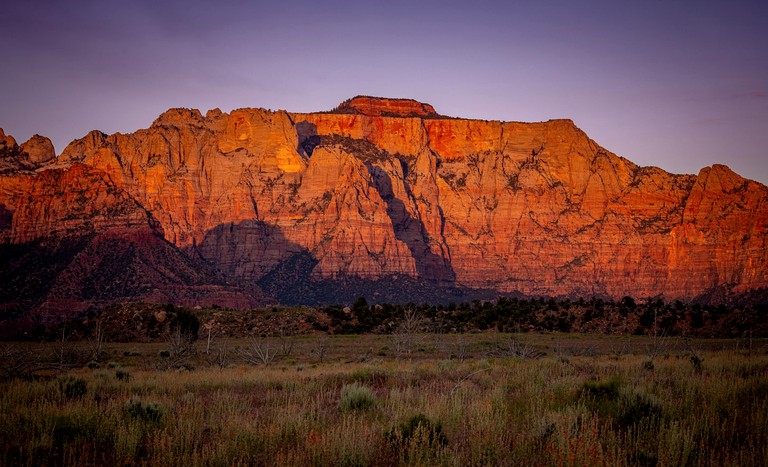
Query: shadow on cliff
point(61, 277)
point(308, 138)
point(256, 254)
point(430, 266)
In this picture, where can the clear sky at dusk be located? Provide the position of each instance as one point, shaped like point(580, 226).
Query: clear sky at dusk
point(679, 84)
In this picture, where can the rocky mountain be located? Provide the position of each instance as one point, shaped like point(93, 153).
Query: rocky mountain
point(378, 197)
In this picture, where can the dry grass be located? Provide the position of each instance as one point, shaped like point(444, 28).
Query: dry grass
point(565, 408)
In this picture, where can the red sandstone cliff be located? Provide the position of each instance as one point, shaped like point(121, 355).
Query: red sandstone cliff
point(380, 189)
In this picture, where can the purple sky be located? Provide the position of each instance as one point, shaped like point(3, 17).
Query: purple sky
point(680, 84)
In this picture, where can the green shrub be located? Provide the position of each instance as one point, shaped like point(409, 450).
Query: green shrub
point(93, 365)
point(356, 397)
point(635, 406)
point(72, 387)
point(625, 406)
point(67, 428)
point(149, 412)
point(608, 389)
point(417, 429)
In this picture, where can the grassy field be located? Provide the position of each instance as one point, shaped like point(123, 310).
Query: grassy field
point(479, 399)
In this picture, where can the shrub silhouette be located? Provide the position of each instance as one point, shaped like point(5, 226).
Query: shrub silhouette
point(418, 428)
point(635, 406)
point(186, 323)
point(625, 406)
point(72, 387)
point(68, 429)
point(608, 390)
point(149, 412)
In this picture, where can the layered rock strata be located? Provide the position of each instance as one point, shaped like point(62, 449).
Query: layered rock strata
point(381, 189)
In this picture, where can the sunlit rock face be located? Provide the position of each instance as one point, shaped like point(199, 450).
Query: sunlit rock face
point(39, 150)
point(36, 152)
point(387, 188)
point(377, 107)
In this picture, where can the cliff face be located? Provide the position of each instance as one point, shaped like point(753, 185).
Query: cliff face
point(374, 106)
point(385, 190)
point(31, 155)
point(70, 238)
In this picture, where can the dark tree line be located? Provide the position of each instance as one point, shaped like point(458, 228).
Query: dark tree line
point(541, 314)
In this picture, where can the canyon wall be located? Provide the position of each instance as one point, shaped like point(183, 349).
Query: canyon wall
point(386, 190)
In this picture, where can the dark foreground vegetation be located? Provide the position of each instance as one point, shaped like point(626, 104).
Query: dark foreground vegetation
point(485, 383)
point(406, 398)
point(147, 322)
point(537, 315)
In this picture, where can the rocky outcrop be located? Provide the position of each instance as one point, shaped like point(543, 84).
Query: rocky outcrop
point(6, 142)
point(377, 107)
point(36, 152)
point(11, 157)
point(385, 192)
point(39, 150)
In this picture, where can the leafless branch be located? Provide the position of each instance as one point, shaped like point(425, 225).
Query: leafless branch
point(458, 348)
point(258, 351)
point(21, 363)
point(180, 346)
point(405, 339)
point(287, 340)
point(96, 341)
point(320, 347)
point(513, 347)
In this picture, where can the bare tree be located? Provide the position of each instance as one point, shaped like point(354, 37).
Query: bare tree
point(619, 351)
point(209, 328)
point(287, 340)
point(660, 344)
point(258, 351)
point(96, 341)
point(405, 337)
point(181, 334)
point(320, 347)
point(514, 347)
point(20, 363)
point(61, 347)
point(458, 347)
point(222, 358)
point(180, 346)
point(65, 354)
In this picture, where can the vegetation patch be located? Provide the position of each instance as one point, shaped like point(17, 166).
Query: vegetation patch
point(356, 397)
point(72, 387)
point(612, 399)
point(417, 433)
point(600, 408)
point(150, 412)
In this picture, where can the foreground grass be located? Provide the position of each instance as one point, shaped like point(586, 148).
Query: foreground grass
point(602, 409)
